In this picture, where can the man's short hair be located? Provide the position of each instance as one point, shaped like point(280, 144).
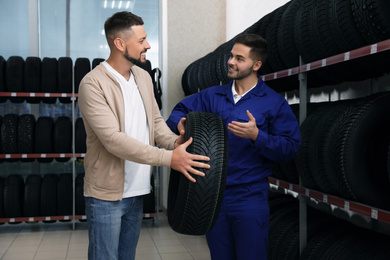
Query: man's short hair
point(119, 22)
point(258, 45)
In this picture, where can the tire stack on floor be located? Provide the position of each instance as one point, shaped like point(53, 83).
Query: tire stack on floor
point(314, 30)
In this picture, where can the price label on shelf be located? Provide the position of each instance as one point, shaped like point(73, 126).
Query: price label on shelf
point(346, 205)
point(346, 56)
point(325, 199)
point(374, 214)
point(374, 49)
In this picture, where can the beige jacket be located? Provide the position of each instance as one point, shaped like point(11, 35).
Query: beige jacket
point(101, 104)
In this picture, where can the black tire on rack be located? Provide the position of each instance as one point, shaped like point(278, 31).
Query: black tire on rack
point(79, 194)
point(49, 79)
point(195, 79)
point(222, 59)
point(1, 146)
point(96, 62)
point(319, 39)
point(313, 31)
point(81, 67)
point(319, 147)
point(43, 142)
point(80, 136)
point(13, 196)
point(9, 135)
point(278, 224)
point(274, 59)
point(342, 26)
point(193, 208)
point(65, 195)
point(322, 241)
point(372, 19)
point(49, 195)
point(32, 195)
point(212, 70)
point(185, 81)
point(32, 78)
point(3, 87)
point(285, 38)
point(65, 78)
point(359, 153)
point(26, 134)
point(262, 31)
point(15, 76)
point(303, 157)
point(62, 137)
point(388, 161)
point(277, 172)
point(2, 184)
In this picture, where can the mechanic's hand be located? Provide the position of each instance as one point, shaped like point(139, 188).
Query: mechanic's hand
point(182, 124)
point(245, 130)
point(181, 129)
point(184, 162)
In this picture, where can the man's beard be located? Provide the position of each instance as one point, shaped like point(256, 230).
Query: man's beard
point(242, 75)
point(133, 60)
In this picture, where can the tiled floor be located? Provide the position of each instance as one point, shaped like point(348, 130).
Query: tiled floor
point(51, 241)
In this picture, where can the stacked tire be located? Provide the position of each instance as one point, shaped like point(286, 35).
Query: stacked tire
point(36, 195)
point(345, 150)
point(327, 237)
point(23, 134)
point(314, 30)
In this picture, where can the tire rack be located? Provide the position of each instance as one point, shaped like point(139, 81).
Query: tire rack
point(73, 156)
point(303, 193)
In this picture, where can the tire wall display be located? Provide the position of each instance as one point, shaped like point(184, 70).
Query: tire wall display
point(193, 207)
point(312, 29)
point(46, 137)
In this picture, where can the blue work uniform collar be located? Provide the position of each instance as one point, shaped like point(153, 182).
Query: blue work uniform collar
point(258, 90)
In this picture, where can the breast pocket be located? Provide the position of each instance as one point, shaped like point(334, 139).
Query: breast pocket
point(261, 120)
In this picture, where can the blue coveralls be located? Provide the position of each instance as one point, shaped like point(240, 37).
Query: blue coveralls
point(241, 231)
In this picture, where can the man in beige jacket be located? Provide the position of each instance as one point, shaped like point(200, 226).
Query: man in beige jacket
point(123, 122)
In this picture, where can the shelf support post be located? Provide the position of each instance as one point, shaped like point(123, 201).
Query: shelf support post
point(303, 97)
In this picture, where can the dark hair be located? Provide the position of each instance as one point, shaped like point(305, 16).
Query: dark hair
point(119, 22)
point(258, 45)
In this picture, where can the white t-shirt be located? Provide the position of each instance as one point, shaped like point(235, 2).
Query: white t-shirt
point(237, 97)
point(137, 176)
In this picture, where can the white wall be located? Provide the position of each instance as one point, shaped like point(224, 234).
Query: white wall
point(241, 14)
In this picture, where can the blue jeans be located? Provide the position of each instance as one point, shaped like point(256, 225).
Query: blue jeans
point(113, 227)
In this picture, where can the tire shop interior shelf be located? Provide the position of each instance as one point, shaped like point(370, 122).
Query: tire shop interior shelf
point(41, 155)
point(29, 94)
point(22, 80)
point(365, 210)
point(342, 57)
point(309, 75)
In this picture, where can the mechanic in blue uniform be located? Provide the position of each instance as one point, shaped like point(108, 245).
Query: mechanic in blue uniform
point(262, 130)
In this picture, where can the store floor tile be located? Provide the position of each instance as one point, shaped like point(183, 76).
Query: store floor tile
point(52, 241)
